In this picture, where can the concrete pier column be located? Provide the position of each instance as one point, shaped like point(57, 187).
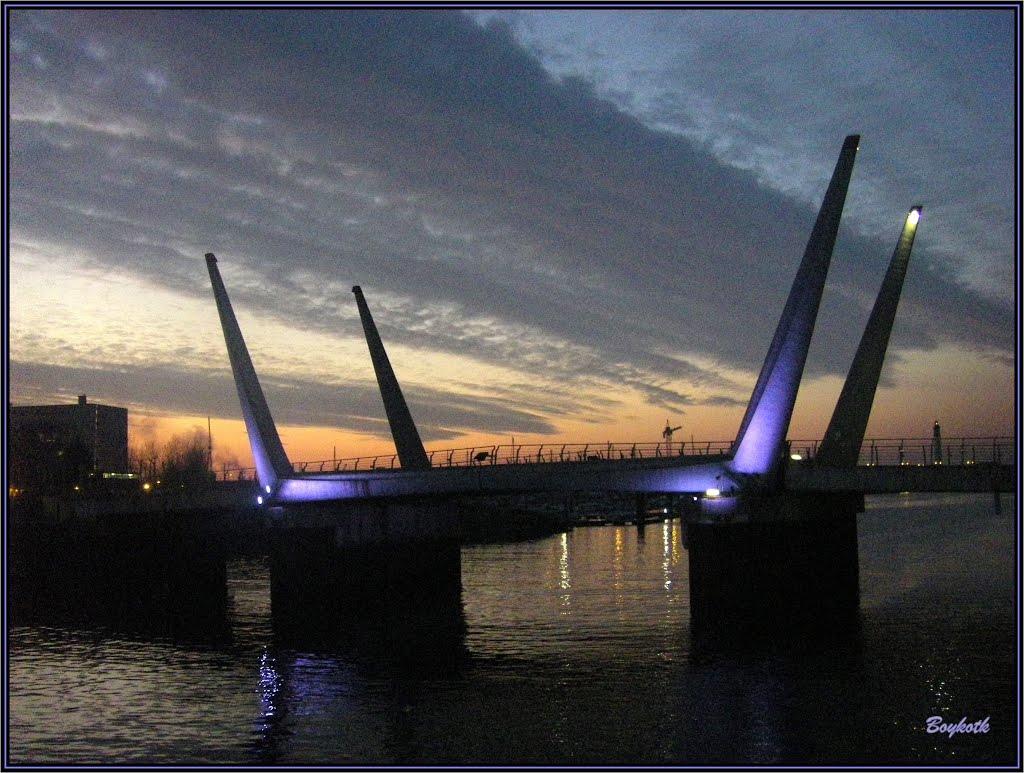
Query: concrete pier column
point(641, 509)
point(370, 560)
point(775, 570)
point(143, 573)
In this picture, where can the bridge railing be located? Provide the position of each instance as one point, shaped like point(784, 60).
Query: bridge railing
point(923, 451)
point(505, 454)
point(877, 451)
point(570, 452)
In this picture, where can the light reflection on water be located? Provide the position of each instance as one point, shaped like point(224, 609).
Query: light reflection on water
point(577, 651)
point(270, 686)
point(520, 601)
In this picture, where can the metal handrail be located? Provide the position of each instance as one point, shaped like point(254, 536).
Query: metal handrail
point(874, 451)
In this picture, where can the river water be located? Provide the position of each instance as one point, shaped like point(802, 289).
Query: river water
point(574, 650)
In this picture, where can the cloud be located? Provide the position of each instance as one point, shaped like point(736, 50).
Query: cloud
point(492, 210)
point(294, 402)
point(929, 90)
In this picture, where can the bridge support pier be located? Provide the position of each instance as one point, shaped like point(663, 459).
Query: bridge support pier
point(783, 560)
point(641, 510)
point(149, 572)
point(393, 563)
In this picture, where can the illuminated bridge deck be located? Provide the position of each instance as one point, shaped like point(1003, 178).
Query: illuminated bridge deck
point(881, 452)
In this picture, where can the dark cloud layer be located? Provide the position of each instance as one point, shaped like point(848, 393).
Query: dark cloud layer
point(497, 213)
point(354, 406)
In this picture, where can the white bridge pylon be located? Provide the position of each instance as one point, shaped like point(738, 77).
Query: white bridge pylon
point(759, 443)
point(757, 453)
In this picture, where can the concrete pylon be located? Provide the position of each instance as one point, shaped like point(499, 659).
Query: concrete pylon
point(411, 454)
point(271, 461)
point(758, 446)
point(845, 434)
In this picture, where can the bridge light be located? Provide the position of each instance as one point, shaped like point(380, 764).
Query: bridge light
point(795, 457)
point(259, 500)
point(267, 488)
point(711, 493)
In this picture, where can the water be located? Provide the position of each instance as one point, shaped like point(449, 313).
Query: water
point(576, 650)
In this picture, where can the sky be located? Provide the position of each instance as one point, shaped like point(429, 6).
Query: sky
point(569, 225)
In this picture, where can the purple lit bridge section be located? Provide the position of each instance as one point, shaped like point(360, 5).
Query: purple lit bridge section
point(755, 462)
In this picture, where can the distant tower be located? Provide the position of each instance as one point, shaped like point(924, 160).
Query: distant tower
point(936, 443)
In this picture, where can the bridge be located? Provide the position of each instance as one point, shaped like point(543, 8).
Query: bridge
point(967, 464)
point(771, 534)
